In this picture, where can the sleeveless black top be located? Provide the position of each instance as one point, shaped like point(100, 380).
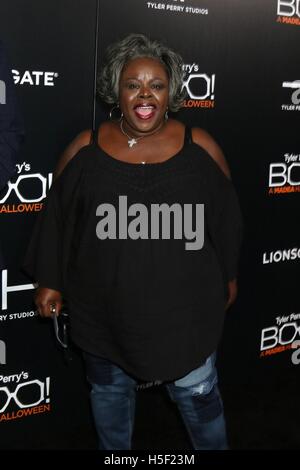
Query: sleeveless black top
point(142, 254)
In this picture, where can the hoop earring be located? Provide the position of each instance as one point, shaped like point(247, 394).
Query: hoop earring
point(111, 114)
point(166, 115)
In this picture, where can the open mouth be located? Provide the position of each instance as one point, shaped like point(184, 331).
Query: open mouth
point(145, 111)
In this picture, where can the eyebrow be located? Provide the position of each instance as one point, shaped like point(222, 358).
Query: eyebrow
point(134, 78)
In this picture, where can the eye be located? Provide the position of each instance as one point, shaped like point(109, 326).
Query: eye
point(158, 86)
point(132, 86)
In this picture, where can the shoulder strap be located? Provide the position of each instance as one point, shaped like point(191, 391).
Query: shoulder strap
point(94, 136)
point(188, 139)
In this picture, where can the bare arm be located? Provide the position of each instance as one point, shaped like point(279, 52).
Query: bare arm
point(81, 140)
point(206, 141)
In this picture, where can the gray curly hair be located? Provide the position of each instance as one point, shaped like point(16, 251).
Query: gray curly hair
point(133, 47)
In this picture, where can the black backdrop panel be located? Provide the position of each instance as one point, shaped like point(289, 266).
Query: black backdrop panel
point(51, 51)
point(242, 78)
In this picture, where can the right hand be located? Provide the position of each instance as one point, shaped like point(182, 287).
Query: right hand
point(45, 298)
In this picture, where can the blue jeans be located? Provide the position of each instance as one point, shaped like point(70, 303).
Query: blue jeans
point(196, 395)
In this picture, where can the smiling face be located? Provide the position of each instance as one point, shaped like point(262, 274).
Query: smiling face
point(143, 95)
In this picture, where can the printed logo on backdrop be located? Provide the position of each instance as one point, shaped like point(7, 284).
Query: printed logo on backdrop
point(34, 78)
point(25, 192)
point(2, 352)
point(21, 397)
point(194, 7)
point(2, 92)
point(279, 256)
point(283, 335)
point(288, 12)
point(294, 92)
point(200, 88)
point(8, 291)
point(284, 176)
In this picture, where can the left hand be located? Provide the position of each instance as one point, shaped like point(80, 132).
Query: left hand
point(232, 293)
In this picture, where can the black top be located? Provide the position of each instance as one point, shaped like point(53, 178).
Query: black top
point(141, 299)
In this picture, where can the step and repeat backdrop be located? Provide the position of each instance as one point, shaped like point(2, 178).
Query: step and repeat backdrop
point(242, 79)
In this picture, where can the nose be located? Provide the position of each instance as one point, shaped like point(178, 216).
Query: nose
point(145, 92)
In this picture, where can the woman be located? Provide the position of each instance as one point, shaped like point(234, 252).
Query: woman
point(140, 235)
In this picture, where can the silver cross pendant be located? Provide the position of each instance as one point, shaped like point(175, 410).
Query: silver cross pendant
point(132, 142)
